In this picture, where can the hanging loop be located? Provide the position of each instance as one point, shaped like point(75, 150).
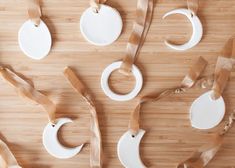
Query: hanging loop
point(193, 6)
point(34, 11)
point(95, 4)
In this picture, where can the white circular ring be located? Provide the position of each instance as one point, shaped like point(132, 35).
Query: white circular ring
point(101, 28)
point(118, 97)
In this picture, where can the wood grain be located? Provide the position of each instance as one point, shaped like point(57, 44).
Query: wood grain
point(169, 137)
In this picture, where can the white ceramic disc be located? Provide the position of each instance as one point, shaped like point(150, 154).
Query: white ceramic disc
point(35, 41)
point(206, 113)
point(101, 28)
point(118, 97)
point(52, 144)
point(197, 30)
point(128, 150)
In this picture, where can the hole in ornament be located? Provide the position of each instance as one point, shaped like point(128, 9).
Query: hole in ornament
point(120, 83)
point(133, 136)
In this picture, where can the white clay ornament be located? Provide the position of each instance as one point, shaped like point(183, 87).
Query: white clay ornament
point(197, 29)
point(119, 97)
point(206, 113)
point(52, 144)
point(128, 150)
point(101, 28)
point(35, 41)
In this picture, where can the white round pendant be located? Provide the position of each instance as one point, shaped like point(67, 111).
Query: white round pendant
point(52, 144)
point(101, 28)
point(35, 41)
point(119, 97)
point(128, 150)
point(206, 113)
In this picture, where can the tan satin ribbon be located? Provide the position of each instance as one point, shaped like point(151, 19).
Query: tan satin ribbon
point(223, 69)
point(140, 29)
point(202, 156)
point(95, 142)
point(188, 81)
point(26, 90)
point(95, 4)
point(7, 159)
point(34, 11)
point(193, 6)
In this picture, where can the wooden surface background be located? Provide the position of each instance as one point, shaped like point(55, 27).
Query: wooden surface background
point(169, 137)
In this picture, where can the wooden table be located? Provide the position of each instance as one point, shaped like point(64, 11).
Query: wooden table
point(169, 137)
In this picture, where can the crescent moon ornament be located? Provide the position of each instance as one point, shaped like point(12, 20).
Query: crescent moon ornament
point(52, 144)
point(197, 29)
point(206, 113)
point(128, 150)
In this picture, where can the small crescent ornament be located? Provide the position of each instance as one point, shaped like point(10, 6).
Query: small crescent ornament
point(35, 41)
point(206, 113)
point(52, 144)
point(197, 29)
point(101, 28)
point(128, 150)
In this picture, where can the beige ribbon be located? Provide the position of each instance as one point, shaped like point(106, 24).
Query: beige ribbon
point(7, 159)
point(223, 69)
point(95, 4)
point(95, 141)
point(202, 156)
point(27, 91)
point(34, 11)
point(140, 29)
point(193, 6)
point(188, 81)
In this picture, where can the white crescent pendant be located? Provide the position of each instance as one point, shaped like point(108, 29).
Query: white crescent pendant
point(52, 144)
point(101, 28)
point(197, 30)
point(206, 113)
point(35, 41)
point(128, 150)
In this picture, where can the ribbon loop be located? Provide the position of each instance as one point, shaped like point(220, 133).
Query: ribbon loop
point(193, 6)
point(96, 142)
point(34, 11)
point(189, 80)
point(95, 4)
point(141, 26)
point(27, 91)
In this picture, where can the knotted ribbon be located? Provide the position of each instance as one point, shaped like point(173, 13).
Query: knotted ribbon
point(95, 141)
point(189, 81)
point(140, 29)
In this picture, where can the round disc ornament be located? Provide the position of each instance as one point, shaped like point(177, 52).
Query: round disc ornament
point(206, 113)
point(101, 28)
point(35, 41)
